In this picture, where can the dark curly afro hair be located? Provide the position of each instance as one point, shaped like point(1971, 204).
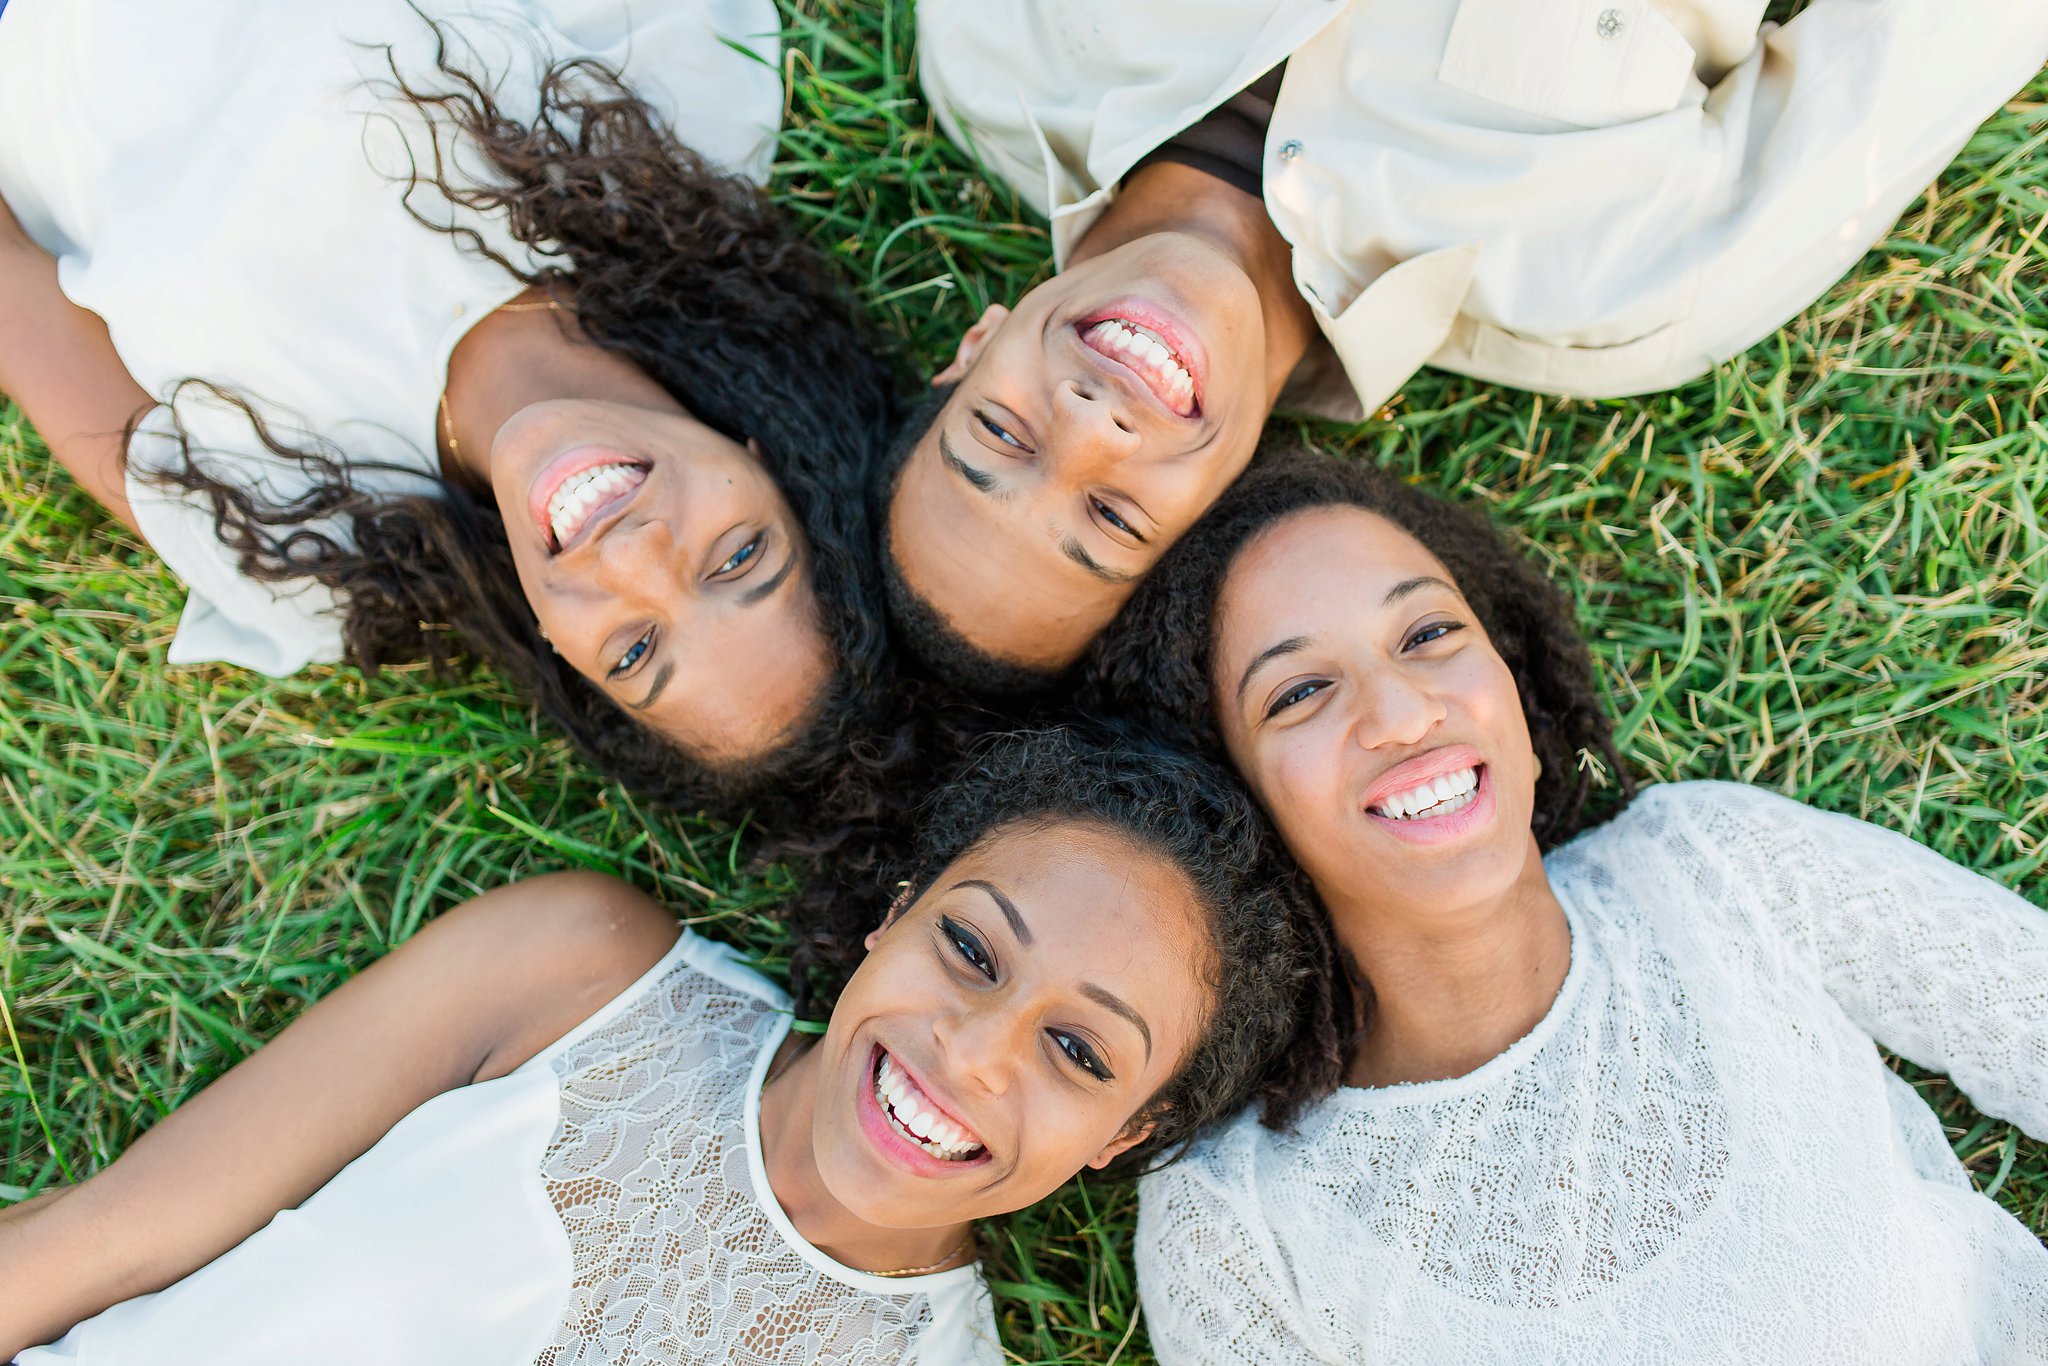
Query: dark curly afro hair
point(1154, 663)
point(1268, 942)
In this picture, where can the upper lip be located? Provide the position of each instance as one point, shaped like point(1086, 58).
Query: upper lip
point(1425, 767)
point(932, 1094)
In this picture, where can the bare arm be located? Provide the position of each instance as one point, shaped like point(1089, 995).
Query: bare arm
point(58, 363)
point(469, 998)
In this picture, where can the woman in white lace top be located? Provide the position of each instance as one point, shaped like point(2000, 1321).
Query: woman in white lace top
point(1620, 1102)
point(549, 1130)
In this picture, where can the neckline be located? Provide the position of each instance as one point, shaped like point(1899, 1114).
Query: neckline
point(757, 1169)
point(1509, 1059)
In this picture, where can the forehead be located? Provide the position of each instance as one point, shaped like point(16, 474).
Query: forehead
point(1099, 905)
point(1313, 570)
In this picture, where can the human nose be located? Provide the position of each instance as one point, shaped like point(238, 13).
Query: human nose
point(981, 1040)
point(1092, 432)
point(634, 559)
point(1395, 709)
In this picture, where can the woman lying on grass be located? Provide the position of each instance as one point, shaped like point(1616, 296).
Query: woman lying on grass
point(549, 1129)
point(461, 353)
point(1623, 1102)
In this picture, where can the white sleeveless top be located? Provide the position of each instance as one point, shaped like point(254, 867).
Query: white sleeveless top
point(1698, 1154)
point(605, 1202)
point(216, 181)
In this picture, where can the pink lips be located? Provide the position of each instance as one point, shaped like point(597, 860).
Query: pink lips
point(899, 1150)
point(1179, 339)
point(1424, 768)
point(560, 471)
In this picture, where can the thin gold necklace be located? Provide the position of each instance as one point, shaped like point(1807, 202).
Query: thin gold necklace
point(966, 1240)
point(447, 419)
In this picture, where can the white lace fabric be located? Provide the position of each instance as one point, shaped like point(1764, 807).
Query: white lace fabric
point(1697, 1155)
point(678, 1255)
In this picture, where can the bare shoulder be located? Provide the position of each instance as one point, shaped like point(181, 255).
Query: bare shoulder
point(555, 948)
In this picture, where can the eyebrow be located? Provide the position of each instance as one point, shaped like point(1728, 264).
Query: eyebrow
point(981, 479)
point(1110, 1001)
point(1078, 553)
point(1266, 656)
point(1004, 904)
point(763, 589)
point(1416, 584)
point(661, 678)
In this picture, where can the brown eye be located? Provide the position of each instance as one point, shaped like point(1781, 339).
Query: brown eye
point(1081, 1054)
point(1436, 630)
point(1000, 432)
point(1300, 692)
point(969, 947)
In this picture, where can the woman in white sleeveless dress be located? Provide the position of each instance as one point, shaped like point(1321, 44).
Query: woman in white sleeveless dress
point(518, 363)
point(549, 1130)
point(1620, 1102)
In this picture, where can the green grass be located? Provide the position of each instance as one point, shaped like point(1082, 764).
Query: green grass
point(1822, 568)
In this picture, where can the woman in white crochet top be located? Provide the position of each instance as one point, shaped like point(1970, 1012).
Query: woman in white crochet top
point(547, 1129)
point(1620, 1102)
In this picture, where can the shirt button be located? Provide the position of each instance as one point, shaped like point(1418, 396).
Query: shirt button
point(1609, 23)
point(461, 309)
point(1290, 149)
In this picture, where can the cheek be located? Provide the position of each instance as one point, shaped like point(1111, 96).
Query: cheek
point(1302, 784)
point(1493, 699)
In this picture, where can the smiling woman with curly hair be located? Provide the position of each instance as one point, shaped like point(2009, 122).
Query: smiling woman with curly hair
point(458, 330)
point(1618, 1094)
point(555, 1128)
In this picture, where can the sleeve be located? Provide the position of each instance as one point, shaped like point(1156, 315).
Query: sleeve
point(1940, 965)
point(1214, 1285)
point(275, 629)
point(1850, 109)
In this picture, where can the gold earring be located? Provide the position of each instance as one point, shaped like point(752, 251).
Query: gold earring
point(1539, 765)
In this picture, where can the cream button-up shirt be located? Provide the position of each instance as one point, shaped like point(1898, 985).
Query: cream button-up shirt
point(1586, 197)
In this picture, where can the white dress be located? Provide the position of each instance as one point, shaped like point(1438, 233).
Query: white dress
point(216, 181)
point(605, 1202)
point(1697, 1155)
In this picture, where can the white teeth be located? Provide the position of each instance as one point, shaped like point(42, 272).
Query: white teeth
point(585, 490)
point(1148, 351)
point(1438, 797)
point(904, 1104)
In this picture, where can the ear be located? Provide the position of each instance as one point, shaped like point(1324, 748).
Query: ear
point(889, 917)
point(971, 342)
point(1132, 1135)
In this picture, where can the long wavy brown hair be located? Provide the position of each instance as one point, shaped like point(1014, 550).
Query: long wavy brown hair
point(695, 277)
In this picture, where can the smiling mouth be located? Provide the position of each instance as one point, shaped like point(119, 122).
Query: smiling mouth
point(576, 503)
point(1148, 355)
point(1441, 796)
point(914, 1115)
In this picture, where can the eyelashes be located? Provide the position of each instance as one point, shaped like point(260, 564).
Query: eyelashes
point(1301, 692)
point(968, 947)
point(740, 558)
point(998, 430)
point(970, 950)
point(635, 652)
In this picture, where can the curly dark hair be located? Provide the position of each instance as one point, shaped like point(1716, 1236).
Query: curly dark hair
point(1154, 663)
point(695, 277)
point(1268, 941)
point(934, 644)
